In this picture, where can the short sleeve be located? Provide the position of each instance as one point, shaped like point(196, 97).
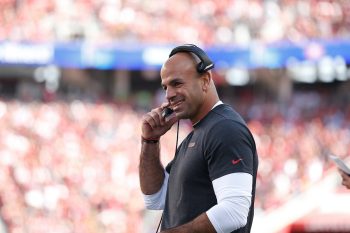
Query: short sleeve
point(230, 148)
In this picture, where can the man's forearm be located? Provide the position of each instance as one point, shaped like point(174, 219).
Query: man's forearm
point(201, 224)
point(151, 171)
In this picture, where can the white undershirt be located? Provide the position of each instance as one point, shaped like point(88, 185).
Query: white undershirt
point(233, 194)
point(156, 201)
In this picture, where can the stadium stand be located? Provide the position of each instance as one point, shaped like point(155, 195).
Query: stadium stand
point(73, 165)
point(224, 22)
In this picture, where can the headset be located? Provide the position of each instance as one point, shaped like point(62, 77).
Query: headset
point(205, 63)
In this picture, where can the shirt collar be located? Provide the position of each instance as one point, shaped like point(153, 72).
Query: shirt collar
point(216, 104)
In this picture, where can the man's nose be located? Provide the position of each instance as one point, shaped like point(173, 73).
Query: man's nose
point(170, 93)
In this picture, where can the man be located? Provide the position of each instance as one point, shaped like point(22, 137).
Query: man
point(209, 186)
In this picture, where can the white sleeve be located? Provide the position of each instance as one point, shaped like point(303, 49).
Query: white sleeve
point(233, 193)
point(156, 201)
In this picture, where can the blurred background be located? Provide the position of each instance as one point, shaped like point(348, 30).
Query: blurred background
point(77, 75)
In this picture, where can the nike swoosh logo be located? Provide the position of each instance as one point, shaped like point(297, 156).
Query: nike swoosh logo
point(234, 162)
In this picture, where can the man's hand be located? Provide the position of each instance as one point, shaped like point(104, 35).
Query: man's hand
point(154, 125)
point(201, 224)
point(346, 179)
point(151, 170)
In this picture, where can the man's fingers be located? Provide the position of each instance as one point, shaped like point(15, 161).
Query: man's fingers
point(150, 121)
point(154, 118)
point(157, 116)
point(346, 183)
point(155, 125)
point(164, 105)
point(344, 175)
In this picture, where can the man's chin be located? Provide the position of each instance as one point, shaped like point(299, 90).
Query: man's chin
point(181, 115)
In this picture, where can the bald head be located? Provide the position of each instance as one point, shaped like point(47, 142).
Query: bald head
point(181, 61)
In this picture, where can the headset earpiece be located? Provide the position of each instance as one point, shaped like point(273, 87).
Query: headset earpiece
point(205, 63)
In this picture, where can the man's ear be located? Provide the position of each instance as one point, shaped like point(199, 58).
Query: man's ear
point(206, 79)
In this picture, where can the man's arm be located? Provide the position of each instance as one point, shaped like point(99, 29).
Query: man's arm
point(151, 171)
point(156, 201)
point(201, 224)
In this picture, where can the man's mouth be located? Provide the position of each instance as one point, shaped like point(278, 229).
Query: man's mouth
point(176, 104)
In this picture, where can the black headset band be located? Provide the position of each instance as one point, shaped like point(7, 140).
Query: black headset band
point(205, 63)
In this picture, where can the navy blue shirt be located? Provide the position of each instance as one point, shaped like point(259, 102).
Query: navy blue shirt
point(219, 144)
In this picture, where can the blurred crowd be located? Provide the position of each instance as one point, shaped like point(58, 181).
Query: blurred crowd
point(69, 166)
point(206, 22)
point(294, 143)
point(73, 165)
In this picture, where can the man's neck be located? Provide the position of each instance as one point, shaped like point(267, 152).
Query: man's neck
point(219, 102)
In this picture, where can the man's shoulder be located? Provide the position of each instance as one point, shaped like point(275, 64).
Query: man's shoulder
point(225, 112)
point(224, 120)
